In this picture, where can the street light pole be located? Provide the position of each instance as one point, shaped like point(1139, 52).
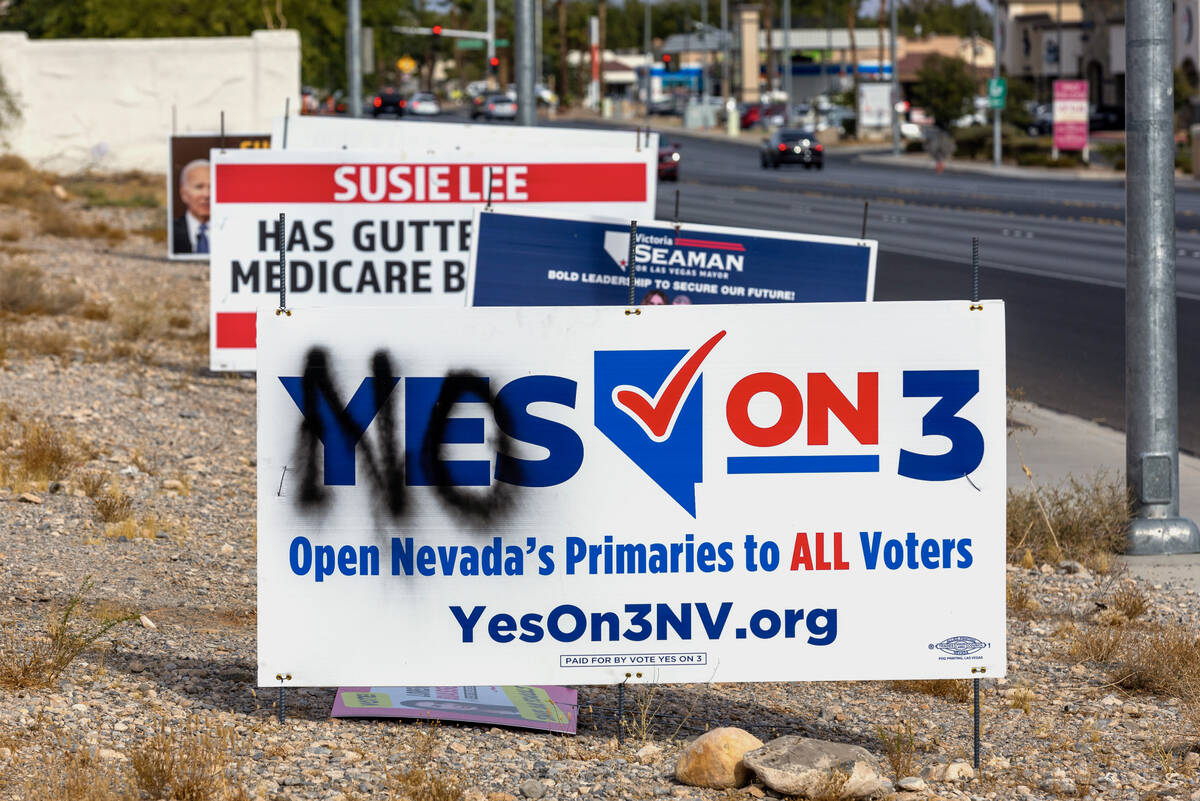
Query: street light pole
point(787, 61)
point(1151, 359)
point(524, 37)
point(895, 82)
point(354, 55)
point(995, 74)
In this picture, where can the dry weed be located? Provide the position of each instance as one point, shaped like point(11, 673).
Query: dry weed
point(10, 234)
point(1084, 521)
point(92, 482)
point(831, 788)
point(1129, 601)
point(113, 506)
point(957, 690)
point(70, 771)
point(195, 761)
point(900, 748)
point(31, 659)
point(96, 310)
point(1163, 660)
point(136, 318)
point(1095, 643)
point(45, 453)
point(423, 781)
point(26, 289)
point(1021, 698)
point(1020, 600)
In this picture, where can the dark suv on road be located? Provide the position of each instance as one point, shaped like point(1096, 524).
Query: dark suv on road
point(792, 147)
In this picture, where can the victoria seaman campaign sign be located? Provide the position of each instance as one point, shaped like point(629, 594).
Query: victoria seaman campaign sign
point(460, 496)
point(373, 229)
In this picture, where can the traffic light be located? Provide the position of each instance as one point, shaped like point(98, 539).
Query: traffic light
point(666, 61)
point(437, 30)
point(493, 65)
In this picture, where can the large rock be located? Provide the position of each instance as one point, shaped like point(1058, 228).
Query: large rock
point(714, 759)
point(803, 766)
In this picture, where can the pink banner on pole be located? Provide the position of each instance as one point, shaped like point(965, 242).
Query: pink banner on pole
point(544, 707)
point(1070, 115)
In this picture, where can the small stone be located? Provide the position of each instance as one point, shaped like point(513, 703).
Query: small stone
point(714, 759)
point(458, 748)
point(532, 788)
point(188, 415)
point(794, 765)
point(136, 666)
point(1047, 569)
point(831, 712)
point(648, 753)
point(61, 193)
point(147, 622)
point(1132, 710)
point(79, 707)
point(108, 753)
point(998, 763)
point(55, 487)
point(499, 796)
point(29, 497)
point(1111, 700)
point(1071, 568)
point(958, 772)
point(172, 484)
point(911, 784)
point(756, 791)
point(227, 548)
point(5, 753)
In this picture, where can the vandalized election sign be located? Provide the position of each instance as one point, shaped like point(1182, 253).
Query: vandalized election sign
point(545, 708)
point(526, 260)
point(567, 495)
point(371, 229)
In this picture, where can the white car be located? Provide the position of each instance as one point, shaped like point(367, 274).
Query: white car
point(424, 104)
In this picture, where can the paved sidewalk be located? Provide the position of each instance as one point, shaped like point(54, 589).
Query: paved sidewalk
point(1058, 446)
point(922, 161)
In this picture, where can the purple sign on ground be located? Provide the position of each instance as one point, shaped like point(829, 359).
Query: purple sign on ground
point(542, 707)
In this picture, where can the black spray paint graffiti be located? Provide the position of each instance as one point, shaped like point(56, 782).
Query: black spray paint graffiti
point(384, 462)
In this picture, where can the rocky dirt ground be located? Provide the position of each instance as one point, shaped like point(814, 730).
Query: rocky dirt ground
point(117, 372)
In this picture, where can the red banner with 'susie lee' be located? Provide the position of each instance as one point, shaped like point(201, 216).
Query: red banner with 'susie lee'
point(431, 183)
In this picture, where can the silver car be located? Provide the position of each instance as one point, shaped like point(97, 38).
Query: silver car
point(499, 107)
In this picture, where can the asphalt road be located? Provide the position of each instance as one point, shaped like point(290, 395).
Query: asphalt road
point(1053, 250)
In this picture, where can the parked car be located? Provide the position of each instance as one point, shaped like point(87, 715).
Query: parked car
point(668, 162)
point(424, 104)
point(388, 100)
point(792, 146)
point(761, 115)
point(1042, 122)
point(499, 107)
point(1106, 118)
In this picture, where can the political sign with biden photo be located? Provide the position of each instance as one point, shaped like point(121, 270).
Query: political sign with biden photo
point(570, 495)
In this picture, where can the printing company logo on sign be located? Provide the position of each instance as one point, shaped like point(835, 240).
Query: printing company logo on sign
point(959, 647)
point(675, 251)
point(648, 404)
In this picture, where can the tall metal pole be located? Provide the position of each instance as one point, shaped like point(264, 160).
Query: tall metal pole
point(491, 23)
point(995, 74)
point(1058, 43)
point(787, 61)
point(726, 55)
point(538, 66)
point(828, 44)
point(1151, 368)
point(895, 81)
point(524, 40)
point(354, 56)
point(704, 61)
point(647, 47)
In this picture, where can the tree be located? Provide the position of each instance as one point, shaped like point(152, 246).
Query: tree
point(944, 88)
point(10, 112)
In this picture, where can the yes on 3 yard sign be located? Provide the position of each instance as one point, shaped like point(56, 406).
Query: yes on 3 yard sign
point(564, 496)
point(371, 228)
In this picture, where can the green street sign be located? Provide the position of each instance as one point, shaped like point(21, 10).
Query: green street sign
point(468, 44)
point(997, 92)
point(502, 43)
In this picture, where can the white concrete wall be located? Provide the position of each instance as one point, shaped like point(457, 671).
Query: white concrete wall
point(105, 104)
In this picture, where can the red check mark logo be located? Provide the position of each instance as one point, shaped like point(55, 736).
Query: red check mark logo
point(657, 415)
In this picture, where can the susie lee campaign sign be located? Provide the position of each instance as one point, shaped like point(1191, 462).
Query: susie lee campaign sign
point(567, 495)
point(372, 229)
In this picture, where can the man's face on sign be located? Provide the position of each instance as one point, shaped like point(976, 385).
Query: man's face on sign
point(194, 191)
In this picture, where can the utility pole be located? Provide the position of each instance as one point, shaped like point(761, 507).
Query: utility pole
point(538, 62)
point(1151, 358)
point(787, 61)
point(491, 32)
point(647, 48)
point(726, 56)
point(828, 45)
point(704, 58)
point(354, 56)
point(995, 74)
point(524, 36)
point(895, 81)
point(1058, 44)
point(562, 51)
point(602, 15)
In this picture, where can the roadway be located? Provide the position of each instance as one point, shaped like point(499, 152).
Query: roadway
point(1052, 249)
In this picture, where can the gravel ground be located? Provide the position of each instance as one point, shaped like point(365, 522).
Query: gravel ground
point(134, 390)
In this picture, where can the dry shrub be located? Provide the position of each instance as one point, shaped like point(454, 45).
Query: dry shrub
point(19, 341)
point(95, 310)
point(92, 482)
point(1095, 643)
point(900, 748)
point(1084, 521)
point(45, 454)
point(134, 189)
point(956, 690)
point(144, 527)
point(1129, 601)
point(155, 233)
point(25, 289)
point(30, 659)
point(195, 761)
point(1020, 600)
point(69, 771)
point(1162, 660)
point(10, 234)
point(136, 318)
point(54, 220)
point(423, 780)
point(113, 506)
